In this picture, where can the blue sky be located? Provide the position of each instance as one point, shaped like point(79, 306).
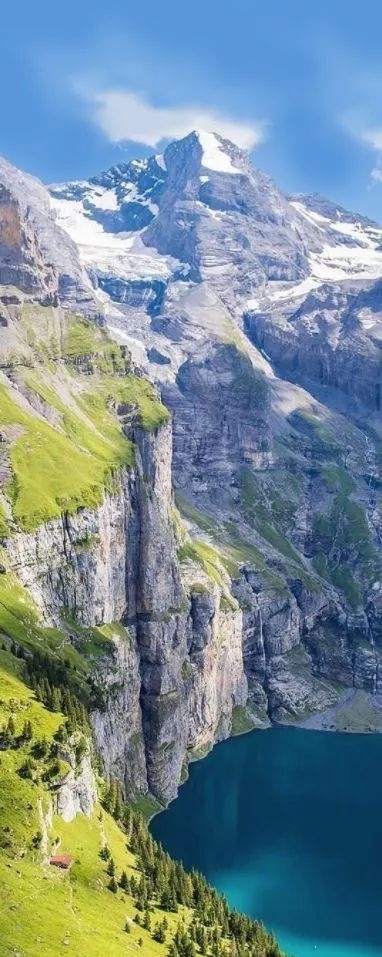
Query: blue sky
point(88, 84)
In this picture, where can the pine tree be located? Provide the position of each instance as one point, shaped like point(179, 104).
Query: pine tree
point(124, 881)
point(189, 948)
point(166, 899)
point(172, 950)
point(55, 700)
point(28, 769)
point(27, 732)
point(11, 727)
point(110, 796)
point(160, 933)
point(111, 867)
point(118, 803)
point(113, 886)
point(127, 819)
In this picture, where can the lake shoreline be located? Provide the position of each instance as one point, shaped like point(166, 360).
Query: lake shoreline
point(356, 712)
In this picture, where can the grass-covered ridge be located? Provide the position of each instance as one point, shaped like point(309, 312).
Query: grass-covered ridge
point(63, 408)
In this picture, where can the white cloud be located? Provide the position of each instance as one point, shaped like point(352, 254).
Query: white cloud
point(376, 173)
point(123, 115)
point(373, 138)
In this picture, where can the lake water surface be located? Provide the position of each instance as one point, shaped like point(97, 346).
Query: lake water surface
point(288, 824)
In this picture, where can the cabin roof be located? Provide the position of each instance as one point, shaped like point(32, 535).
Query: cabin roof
point(61, 860)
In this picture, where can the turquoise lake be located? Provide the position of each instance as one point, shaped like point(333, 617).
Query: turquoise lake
point(288, 824)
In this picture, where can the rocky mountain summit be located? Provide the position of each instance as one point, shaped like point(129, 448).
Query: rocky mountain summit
point(258, 316)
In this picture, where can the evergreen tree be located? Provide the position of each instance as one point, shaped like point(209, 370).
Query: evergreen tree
point(11, 727)
point(27, 732)
point(61, 733)
point(160, 932)
point(172, 950)
point(28, 769)
point(110, 796)
point(118, 803)
point(55, 703)
point(127, 819)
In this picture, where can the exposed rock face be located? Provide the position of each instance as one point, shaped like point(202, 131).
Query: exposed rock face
point(36, 255)
point(174, 678)
point(77, 793)
point(215, 429)
point(21, 261)
point(118, 726)
point(346, 359)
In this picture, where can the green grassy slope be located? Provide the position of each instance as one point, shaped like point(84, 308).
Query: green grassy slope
point(121, 887)
point(63, 405)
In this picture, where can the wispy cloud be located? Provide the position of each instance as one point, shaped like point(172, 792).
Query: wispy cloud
point(368, 135)
point(376, 172)
point(123, 115)
point(373, 138)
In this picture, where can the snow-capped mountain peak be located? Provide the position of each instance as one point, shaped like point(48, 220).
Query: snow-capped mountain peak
point(199, 232)
point(216, 153)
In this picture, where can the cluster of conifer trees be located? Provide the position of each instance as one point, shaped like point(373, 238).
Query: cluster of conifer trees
point(56, 687)
point(9, 738)
point(214, 929)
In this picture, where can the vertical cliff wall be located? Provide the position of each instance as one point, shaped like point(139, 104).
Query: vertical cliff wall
point(174, 669)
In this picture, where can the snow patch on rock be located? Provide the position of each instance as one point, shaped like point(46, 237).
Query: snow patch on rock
point(214, 157)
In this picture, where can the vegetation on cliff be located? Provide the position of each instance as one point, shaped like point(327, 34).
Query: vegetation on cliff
point(69, 404)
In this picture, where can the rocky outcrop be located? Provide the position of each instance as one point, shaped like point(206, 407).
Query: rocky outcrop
point(77, 793)
point(36, 256)
point(300, 648)
point(21, 261)
point(220, 406)
point(349, 358)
